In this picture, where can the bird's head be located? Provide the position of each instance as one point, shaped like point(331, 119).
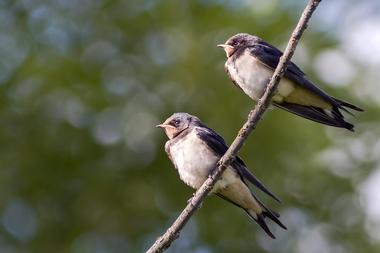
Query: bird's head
point(238, 41)
point(177, 123)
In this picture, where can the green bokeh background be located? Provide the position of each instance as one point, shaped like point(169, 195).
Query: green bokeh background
point(83, 83)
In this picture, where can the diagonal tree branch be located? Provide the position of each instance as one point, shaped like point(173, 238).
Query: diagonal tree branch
point(172, 233)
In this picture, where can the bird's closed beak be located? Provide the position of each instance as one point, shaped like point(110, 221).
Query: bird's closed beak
point(165, 126)
point(228, 49)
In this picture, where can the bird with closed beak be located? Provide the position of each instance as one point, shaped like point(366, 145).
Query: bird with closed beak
point(195, 149)
point(250, 65)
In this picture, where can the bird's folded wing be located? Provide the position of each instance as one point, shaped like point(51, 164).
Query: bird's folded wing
point(317, 115)
point(270, 56)
point(218, 145)
point(245, 173)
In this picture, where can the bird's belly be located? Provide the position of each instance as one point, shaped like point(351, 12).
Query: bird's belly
point(229, 177)
point(252, 77)
point(193, 160)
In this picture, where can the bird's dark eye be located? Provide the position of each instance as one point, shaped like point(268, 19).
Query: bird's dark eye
point(175, 122)
point(234, 43)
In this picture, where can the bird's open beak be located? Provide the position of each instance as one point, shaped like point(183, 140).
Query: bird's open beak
point(165, 126)
point(228, 49)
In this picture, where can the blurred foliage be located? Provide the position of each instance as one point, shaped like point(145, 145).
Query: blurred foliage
point(83, 83)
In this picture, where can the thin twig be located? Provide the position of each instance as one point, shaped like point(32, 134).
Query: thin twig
point(164, 241)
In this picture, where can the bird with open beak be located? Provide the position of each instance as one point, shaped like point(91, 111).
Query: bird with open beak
point(250, 65)
point(195, 149)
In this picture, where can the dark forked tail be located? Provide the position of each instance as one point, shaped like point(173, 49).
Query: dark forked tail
point(348, 105)
point(332, 117)
point(260, 219)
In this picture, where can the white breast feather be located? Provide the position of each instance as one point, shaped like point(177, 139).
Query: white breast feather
point(252, 76)
point(194, 161)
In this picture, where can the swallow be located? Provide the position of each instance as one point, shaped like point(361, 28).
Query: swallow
point(195, 149)
point(250, 65)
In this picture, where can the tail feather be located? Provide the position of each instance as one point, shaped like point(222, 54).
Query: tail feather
point(267, 212)
point(260, 219)
point(274, 217)
point(348, 105)
point(332, 118)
